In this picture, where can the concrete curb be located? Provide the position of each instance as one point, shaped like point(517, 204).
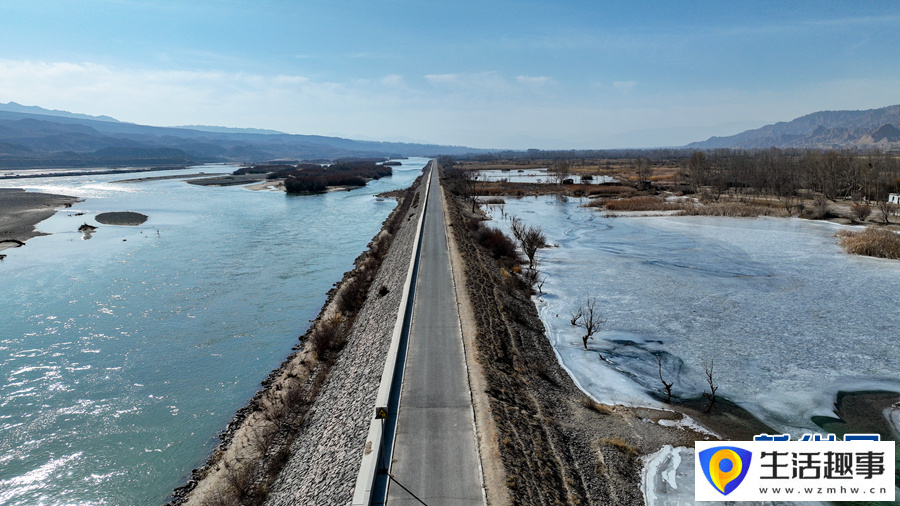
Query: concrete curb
point(362, 492)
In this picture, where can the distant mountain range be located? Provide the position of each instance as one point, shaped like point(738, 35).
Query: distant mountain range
point(33, 137)
point(875, 128)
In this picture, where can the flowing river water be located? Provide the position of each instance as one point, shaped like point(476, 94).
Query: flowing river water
point(123, 356)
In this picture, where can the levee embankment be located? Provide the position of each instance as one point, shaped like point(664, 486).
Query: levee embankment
point(300, 439)
point(555, 445)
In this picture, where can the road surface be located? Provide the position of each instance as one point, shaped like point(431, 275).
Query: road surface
point(434, 460)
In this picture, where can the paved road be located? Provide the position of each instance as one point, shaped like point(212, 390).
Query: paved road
point(434, 456)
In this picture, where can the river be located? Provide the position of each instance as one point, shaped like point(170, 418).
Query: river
point(122, 356)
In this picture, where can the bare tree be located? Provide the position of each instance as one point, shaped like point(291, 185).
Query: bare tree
point(470, 182)
point(667, 386)
point(709, 365)
point(532, 239)
point(642, 169)
point(588, 316)
point(517, 227)
point(885, 209)
point(559, 171)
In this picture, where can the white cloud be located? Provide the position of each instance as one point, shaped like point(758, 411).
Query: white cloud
point(535, 81)
point(167, 97)
point(624, 86)
point(393, 81)
point(482, 109)
point(443, 79)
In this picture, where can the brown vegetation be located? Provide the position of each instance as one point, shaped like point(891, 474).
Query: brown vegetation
point(873, 242)
point(642, 203)
point(734, 210)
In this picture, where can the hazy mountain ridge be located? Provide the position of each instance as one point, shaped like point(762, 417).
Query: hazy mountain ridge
point(33, 109)
point(35, 137)
point(873, 128)
point(232, 130)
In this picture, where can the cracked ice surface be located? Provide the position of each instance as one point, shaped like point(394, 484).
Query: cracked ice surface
point(789, 318)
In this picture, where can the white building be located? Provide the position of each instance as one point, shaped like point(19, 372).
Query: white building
point(894, 198)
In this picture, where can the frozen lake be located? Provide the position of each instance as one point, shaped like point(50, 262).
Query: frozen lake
point(789, 318)
point(533, 176)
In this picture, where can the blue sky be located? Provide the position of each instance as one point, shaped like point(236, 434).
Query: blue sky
point(492, 74)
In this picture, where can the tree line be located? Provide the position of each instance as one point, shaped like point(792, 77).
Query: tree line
point(314, 178)
point(835, 175)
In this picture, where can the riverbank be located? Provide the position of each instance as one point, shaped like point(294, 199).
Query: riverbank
point(300, 439)
point(554, 443)
point(661, 282)
point(21, 211)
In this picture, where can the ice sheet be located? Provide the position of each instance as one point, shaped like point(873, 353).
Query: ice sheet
point(787, 315)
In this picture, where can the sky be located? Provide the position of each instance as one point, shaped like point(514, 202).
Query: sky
point(501, 74)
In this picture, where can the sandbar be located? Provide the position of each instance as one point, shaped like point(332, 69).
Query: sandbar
point(126, 218)
point(21, 211)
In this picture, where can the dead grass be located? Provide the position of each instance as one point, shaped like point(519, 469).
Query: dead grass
point(620, 444)
point(873, 242)
point(595, 406)
point(734, 210)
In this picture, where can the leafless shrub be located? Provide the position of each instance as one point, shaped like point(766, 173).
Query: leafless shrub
point(873, 242)
point(497, 243)
point(709, 365)
point(861, 211)
point(239, 478)
point(353, 294)
point(325, 337)
point(533, 279)
point(667, 386)
point(885, 210)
